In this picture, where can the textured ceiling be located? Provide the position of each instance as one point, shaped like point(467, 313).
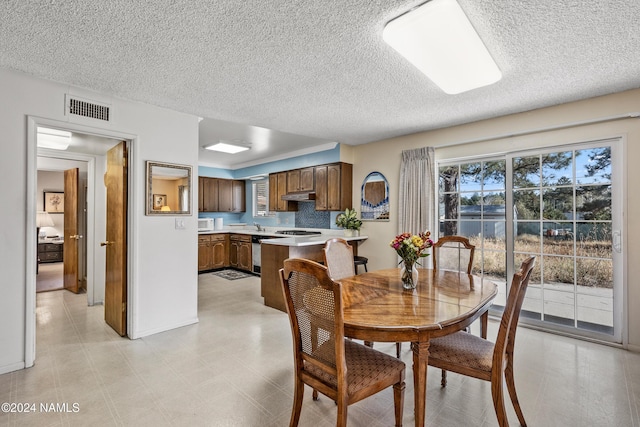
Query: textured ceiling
point(318, 69)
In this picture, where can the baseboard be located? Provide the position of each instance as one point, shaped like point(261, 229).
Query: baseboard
point(146, 333)
point(634, 348)
point(10, 368)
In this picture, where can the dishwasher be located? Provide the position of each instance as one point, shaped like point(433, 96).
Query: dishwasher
point(255, 253)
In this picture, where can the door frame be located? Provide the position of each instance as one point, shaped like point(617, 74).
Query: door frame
point(92, 180)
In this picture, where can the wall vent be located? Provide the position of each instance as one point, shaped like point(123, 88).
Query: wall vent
point(84, 108)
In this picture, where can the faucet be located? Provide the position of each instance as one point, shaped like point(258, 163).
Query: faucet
point(258, 226)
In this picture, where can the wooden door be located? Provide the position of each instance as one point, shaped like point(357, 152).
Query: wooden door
point(201, 193)
point(115, 293)
point(244, 256)
point(333, 187)
point(71, 237)
point(283, 205)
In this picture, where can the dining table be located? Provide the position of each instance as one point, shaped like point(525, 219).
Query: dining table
point(378, 309)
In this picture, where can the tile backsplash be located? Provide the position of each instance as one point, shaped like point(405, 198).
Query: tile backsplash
point(308, 217)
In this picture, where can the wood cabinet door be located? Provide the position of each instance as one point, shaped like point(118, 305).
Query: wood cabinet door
point(225, 195)
point(233, 252)
point(210, 194)
point(321, 188)
point(307, 179)
point(293, 181)
point(201, 194)
point(204, 253)
point(238, 196)
point(273, 192)
point(244, 256)
point(219, 253)
point(333, 187)
point(282, 190)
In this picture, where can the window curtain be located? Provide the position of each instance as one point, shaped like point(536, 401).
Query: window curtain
point(417, 190)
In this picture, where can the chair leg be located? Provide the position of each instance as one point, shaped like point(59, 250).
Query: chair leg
point(511, 386)
point(298, 395)
point(315, 394)
point(369, 344)
point(498, 399)
point(342, 413)
point(398, 349)
point(443, 381)
point(398, 401)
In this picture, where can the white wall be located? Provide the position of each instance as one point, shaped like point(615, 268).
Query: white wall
point(163, 291)
point(384, 156)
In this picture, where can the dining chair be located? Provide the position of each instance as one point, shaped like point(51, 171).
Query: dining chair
point(454, 253)
point(476, 357)
point(343, 370)
point(338, 257)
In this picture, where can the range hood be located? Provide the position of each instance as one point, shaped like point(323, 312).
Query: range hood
point(299, 197)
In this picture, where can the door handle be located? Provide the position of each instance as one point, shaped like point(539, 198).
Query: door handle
point(106, 243)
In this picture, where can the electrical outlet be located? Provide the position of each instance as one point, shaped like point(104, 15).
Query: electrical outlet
point(180, 224)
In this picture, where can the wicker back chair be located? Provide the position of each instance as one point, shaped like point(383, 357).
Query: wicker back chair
point(476, 357)
point(338, 257)
point(343, 370)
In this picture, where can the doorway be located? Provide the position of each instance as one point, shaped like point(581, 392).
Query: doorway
point(89, 146)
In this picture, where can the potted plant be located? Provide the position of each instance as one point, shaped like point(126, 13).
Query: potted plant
point(349, 221)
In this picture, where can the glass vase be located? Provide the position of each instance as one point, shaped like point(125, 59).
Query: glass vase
point(409, 275)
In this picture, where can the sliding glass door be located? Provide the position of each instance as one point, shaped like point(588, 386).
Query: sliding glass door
point(563, 205)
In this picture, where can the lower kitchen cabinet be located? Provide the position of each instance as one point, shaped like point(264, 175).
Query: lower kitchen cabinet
point(213, 251)
point(240, 252)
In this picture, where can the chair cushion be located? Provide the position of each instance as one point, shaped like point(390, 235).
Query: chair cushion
point(365, 367)
point(463, 348)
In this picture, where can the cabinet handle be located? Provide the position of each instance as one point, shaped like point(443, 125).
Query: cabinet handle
point(106, 243)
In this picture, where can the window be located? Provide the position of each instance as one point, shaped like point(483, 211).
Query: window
point(561, 204)
point(261, 198)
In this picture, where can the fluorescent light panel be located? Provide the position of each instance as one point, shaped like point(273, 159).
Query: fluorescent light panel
point(53, 138)
point(226, 148)
point(439, 40)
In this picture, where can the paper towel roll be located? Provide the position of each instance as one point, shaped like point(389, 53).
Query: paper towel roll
point(218, 224)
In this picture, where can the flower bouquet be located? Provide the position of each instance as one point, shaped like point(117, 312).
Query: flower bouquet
point(411, 248)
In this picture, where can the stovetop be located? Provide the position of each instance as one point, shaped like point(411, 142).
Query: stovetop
point(298, 232)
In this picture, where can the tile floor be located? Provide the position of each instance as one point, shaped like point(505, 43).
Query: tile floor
point(234, 368)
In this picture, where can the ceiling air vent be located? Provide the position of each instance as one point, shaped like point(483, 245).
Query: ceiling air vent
point(84, 108)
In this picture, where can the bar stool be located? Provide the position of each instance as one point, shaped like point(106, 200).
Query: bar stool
point(360, 260)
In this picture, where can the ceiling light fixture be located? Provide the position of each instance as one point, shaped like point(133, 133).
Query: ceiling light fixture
point(53, 138)
point(439, 40)
point(225, 147)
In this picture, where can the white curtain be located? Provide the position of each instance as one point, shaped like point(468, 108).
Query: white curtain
point(417, 189)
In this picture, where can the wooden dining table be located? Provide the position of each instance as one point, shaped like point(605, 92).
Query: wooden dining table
point(377, 308)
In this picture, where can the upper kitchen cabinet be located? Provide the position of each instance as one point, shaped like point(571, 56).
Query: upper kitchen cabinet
point(277, 189)
point(300, 180)
point(221, 195)
point(207, 194)
point(333, 186)
point(231, 195)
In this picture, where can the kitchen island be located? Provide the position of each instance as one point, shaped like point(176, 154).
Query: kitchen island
point(275, 251)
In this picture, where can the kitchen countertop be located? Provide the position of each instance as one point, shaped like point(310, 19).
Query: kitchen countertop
point(308, 240)
point(288, 240)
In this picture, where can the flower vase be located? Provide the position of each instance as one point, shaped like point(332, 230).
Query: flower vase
point(409, 275)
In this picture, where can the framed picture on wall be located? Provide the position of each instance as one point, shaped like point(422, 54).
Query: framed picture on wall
point(159, 200)
point(54, 202)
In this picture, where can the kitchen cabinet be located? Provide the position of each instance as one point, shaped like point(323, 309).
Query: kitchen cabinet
point(240, 252)
point(221, 195)
point(213, 251)
point(333, 186)
point(208, 198)
point(300, 180)
point(277, 189)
